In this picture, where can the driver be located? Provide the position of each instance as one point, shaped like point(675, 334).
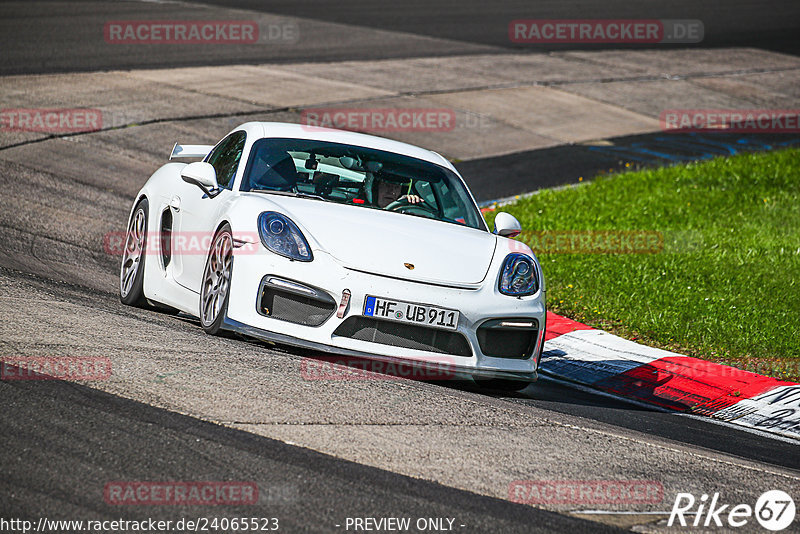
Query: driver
point(386, 192)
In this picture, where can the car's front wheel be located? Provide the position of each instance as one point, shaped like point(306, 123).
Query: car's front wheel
point(216, 285)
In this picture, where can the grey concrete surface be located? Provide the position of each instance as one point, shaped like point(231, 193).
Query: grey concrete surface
point(502, 103)
point(551, 113)
point(690, 62)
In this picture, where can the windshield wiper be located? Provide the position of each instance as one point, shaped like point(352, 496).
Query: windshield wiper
point(310, 195)
point(298, 194)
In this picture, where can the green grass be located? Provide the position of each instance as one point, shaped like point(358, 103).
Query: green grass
point(726, 285)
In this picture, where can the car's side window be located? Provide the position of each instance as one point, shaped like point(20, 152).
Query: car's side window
point(225, 158)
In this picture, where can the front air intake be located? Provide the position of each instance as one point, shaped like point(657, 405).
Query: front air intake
point(292, 302)
point(407, 336)
point(508, 338)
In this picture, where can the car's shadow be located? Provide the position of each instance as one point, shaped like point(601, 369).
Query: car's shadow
point(590, 406)
point(320, 366)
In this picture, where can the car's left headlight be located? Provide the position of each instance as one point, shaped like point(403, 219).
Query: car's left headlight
point(282, 236)
point(518, 277)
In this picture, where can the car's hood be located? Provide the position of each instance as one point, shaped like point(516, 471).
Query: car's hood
point(381, 242)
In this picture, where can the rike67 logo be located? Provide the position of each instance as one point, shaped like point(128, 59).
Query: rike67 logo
point(774, 510)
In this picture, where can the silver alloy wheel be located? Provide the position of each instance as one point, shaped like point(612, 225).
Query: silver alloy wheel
point(132, 256)
point(216, 278)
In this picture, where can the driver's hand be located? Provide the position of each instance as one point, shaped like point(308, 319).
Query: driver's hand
point(411, 199)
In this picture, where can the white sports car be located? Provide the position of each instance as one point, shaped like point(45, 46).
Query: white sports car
point(337, 241)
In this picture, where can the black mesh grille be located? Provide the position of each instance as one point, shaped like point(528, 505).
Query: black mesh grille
point(501, 343)
point(166, 238)
point(294, 308)
point(407, 336)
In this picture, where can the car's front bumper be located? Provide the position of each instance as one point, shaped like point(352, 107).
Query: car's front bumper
point(476, 307)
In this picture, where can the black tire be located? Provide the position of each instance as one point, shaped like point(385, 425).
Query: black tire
point(215, 326)
point(132, 292)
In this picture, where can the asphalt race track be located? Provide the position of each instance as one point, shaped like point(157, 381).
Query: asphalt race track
point(769, 25)
point(181, 405)
point(439, 28)
point(306, 490)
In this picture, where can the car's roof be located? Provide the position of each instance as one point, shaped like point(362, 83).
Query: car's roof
point(301, 131)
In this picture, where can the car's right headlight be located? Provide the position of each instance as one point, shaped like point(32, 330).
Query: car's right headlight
point(518, 277)
point(282, 236)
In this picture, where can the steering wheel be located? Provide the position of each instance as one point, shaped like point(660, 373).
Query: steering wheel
point(403, 205)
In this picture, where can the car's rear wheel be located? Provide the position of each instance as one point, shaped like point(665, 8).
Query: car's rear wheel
point(131, 274)
point(216, 284)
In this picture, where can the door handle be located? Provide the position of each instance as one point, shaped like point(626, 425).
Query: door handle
point(175, 203)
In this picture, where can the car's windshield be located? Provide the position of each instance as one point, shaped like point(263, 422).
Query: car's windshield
point(360, 177)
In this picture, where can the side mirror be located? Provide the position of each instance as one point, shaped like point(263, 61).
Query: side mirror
point(506, 225)
point(202, 175)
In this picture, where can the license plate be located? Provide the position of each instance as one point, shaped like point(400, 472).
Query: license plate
point(410, 312)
